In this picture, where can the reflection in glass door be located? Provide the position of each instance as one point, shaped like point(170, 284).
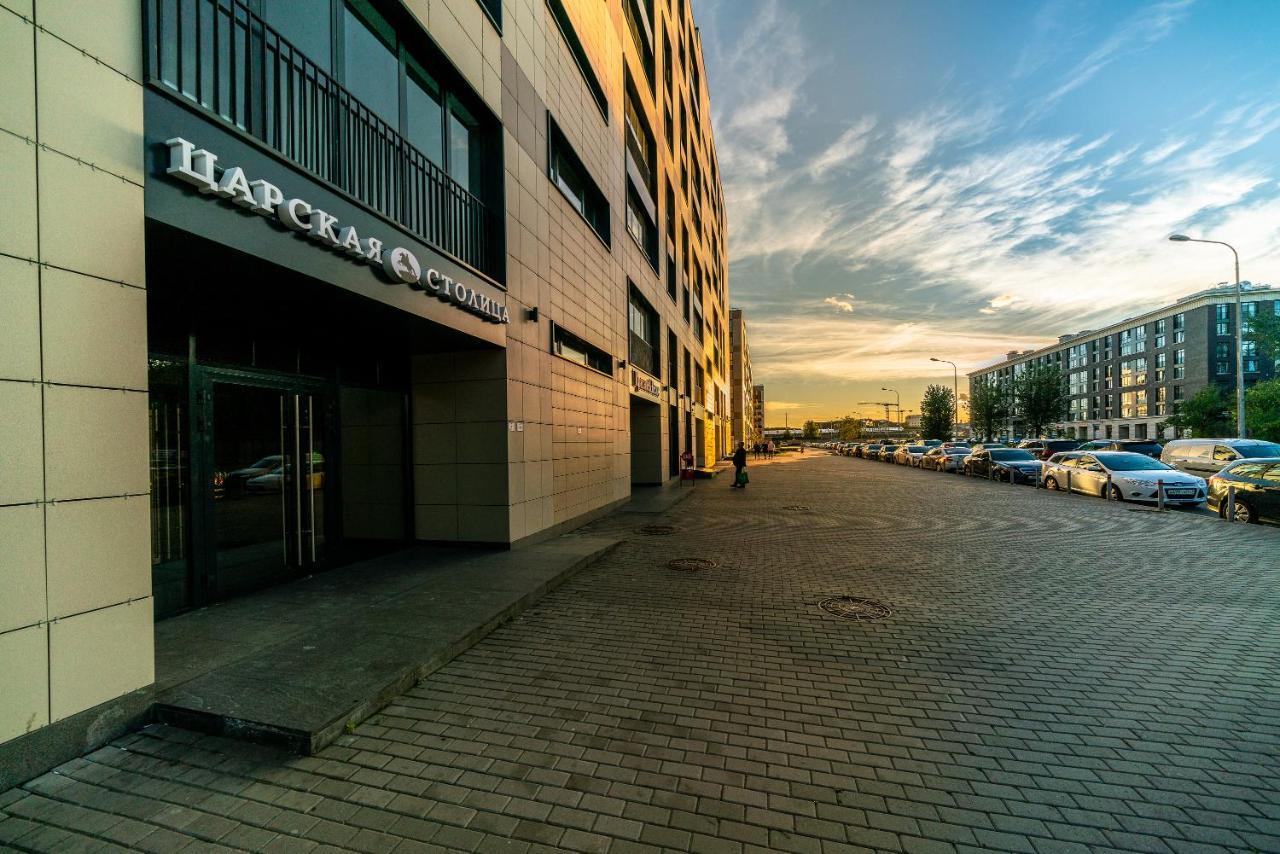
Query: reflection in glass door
point(266, 486)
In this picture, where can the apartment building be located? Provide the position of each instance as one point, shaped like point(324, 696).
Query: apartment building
point(757, 409)
point(289, 284)
point(741, 388)
point(1126, 378)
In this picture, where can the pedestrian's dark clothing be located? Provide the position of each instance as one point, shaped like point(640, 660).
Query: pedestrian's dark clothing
point(739, 463)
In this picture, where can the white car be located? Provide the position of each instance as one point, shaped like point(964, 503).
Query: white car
point(1131, 477)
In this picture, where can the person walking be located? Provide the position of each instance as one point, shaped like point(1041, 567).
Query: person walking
point(769, 450)
point(739, 467)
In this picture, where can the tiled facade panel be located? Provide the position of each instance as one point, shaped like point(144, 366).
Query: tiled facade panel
point(75, 607)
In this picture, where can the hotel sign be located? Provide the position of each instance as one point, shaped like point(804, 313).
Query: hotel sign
point(645, 384)
point(198, 167)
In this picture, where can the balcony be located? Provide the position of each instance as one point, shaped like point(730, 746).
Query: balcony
point(219, 58)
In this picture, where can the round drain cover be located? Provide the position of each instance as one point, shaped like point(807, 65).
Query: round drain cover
point(692, 564)
point(854, 608)
point(658, 530)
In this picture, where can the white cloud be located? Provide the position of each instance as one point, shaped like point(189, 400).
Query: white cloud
point(851, 143)
point(840, 302)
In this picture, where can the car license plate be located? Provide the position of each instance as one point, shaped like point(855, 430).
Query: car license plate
point(1180, 493)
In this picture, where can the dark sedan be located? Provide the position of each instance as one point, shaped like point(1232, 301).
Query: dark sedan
point(1011, 465)
point(1132, 446)
point(1256, 484)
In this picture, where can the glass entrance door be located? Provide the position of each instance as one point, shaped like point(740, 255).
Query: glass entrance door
point(266, 483)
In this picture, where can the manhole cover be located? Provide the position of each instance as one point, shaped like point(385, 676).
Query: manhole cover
point(854, 608)
point(658, 530)
point(692, 564)
point(796, 507)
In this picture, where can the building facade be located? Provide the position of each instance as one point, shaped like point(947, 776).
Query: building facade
point(1125, 379)
point(757, 409)
point(741, 388)
point(289, 284)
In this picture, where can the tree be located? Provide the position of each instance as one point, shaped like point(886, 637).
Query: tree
point(936, 410)
point(850, 429)
point(988, 407)
point(1203, 414)
point(810, 430)
point(1262, 411)
point(1264, 330)
point(1041, 394)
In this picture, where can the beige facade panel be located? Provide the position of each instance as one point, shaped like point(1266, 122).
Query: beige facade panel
point(99, 656)
point(20, 319)
point(18, 220)
point(22, 577)
point(90, 221)
point(96, 443)
point(95, 556)
point(21, 466)
point(24, 702)
point(95, 331)
point(87, 111)
point(109, 30)
point(17, 76)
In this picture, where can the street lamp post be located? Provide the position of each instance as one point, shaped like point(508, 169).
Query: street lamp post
point(897, 402)
point(955, 390)
point(1182, 238)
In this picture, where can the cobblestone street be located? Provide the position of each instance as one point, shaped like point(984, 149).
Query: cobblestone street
point(1058, 674)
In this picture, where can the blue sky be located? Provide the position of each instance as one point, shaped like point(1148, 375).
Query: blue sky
point(908, 178)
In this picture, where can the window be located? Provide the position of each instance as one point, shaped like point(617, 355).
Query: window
point(671, 212)
point(1077, 355)
point(671, 277)
point(424, 112)
point(566, 345)
point(1221, 312)
point(1133, 372)
point(574, 44)
point(1108, 376)
point(372, 68)
point(1078, 383)
point(309, 32)
point(1160, 367)
point(493, 10)
point(1179, 364)
point(686, 304)
point(1133, 404)
point(1133, 340)
point(1177, 393)
point(640, 226)
point(640, 146)
point(1161, 401)
point(639, 15)
point(1222, 328)
point(568, 173)
point(642, 326)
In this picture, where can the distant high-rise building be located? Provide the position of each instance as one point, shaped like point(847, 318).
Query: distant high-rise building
point(741, 390)
point(1126, 378)
point(757, 406)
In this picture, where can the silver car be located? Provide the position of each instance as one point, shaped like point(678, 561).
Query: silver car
point(909, 455)
point(1123, 476)
point(944, 458)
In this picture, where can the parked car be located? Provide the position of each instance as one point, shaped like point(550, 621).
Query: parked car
point(1012, 465)
point(944, 459)
point(1257, 490)
point(886, 453)
point(1206, 456)
point(1131, 477)
point(932, 443)
point(982, 446)
point(1042, 449)
point(909, 455)
point(1134, 446)
point(965, 445)
point(870, 451)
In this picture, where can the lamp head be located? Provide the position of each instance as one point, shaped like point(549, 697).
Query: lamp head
point(934, 359)
point(1179, 238)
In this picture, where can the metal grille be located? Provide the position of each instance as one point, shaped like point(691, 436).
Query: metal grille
point(692, 564)
point(855, 608)
point(221, 58)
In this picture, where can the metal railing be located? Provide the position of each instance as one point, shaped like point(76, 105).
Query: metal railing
point(219, 57)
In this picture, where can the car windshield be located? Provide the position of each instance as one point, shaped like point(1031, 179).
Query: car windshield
point(1006, 454)
point(1144, 447)
point(1261, 450)
point(958, 452)
point(1120, 461)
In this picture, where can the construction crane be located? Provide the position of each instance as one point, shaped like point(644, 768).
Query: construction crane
point(879, 403)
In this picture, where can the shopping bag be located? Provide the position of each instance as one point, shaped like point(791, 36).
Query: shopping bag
point(742, 478)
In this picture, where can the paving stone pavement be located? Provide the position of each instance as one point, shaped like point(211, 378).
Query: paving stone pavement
point(1059, 674)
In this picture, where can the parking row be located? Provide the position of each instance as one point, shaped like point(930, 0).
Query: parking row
point(1244, 489)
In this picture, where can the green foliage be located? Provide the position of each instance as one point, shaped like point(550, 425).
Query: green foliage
point(1264, 330)
point(1262, 411)
point(988, 408)
point(810, 430)
point(1041, 394)
point(850, 429)
point(936, 409)
point(1203, 414)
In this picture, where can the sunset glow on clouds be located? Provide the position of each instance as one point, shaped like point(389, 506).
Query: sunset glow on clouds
point(925, 179)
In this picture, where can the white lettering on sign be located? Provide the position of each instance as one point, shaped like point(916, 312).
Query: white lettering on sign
point(198, 168)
